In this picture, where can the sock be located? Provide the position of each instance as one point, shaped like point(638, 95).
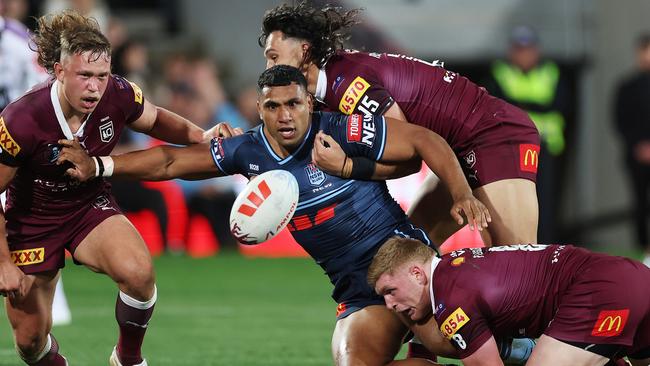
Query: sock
point(49, 356)
point(133, 318)
point(418, 350)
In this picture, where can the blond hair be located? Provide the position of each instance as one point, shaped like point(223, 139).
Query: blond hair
point(68, 33)
point(395, 252)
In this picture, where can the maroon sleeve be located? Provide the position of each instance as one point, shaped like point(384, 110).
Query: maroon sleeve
point(365, 94)
point(16, 139)
point(129, 98)
point(465, 327)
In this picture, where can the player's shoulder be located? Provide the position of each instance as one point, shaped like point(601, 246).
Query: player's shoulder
point(121, 90)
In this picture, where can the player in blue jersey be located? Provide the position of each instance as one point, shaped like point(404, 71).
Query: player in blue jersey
point(340, 222)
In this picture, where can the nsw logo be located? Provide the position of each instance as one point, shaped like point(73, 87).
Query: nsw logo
point(106, 131)
point(315, 175)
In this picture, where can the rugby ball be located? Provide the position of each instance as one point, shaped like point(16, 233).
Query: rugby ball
point(264, 207)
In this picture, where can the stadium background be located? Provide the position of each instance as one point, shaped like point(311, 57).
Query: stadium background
point(231, 309)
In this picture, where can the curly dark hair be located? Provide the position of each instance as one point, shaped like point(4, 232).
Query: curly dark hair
point(325, 29)
point(281, 75)
point(69, 33)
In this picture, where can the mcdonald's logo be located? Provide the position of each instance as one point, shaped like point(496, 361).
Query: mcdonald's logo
point(528, 157)
point(610, 323)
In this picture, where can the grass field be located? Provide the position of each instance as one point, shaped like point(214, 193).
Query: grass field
point(225, 310)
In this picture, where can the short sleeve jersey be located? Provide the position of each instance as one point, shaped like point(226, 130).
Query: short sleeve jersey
point(29, 130)
point(339, 222)
point(428, 94)
point(528, 278)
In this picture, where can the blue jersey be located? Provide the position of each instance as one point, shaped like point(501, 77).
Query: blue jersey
point(340, 222)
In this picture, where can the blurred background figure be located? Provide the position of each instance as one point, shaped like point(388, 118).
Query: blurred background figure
point(92, 8)
point(19, 71)
point(536, 85)
point(632, 121)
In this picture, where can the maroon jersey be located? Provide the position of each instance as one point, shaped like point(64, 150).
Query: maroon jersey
point(41, 194)
point(492, 139)
point(568, 293)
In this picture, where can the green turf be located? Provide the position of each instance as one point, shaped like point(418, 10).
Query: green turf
point(225, 310)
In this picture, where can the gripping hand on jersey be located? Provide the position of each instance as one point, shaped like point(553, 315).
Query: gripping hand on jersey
point(221, 129)
point(83, 167)
point(327, 154)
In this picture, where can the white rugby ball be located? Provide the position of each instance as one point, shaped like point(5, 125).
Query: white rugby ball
point(264, 207)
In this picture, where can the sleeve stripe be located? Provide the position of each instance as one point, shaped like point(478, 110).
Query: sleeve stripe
point(214, 159)
point(383, 139)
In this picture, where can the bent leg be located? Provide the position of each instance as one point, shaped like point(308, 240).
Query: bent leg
point(513, 207)
point(550, 351)
point(371, 336)
point(31, 320)
point(114, 247)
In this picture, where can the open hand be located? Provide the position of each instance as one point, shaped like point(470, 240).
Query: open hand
point(474, 210)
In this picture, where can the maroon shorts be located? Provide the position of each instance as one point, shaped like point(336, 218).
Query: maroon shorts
point(39, 246)
point(504, 144)
point(607, 303)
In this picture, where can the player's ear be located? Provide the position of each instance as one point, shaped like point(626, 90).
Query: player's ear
point(58, 71)
point(259, 109)
point(419, 274)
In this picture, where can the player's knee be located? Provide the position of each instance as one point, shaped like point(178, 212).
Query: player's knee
point(138, 281)
point(29, 343)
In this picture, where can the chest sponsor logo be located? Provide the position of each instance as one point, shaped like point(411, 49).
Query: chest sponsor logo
point(6, 141)
point(137, 92)
point(528, 157)
point(361, 130)
point(610, 323)
point(304, 222)
point(453, 323)
point(106, 131)
point(28, 256)
point(353, 94)
point(315, 175)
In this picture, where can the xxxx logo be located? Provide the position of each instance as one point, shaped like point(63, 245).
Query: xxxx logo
point(255, 199)
point(6, 141)
point(28, 256)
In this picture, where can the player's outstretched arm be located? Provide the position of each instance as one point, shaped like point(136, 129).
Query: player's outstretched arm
point(158, 163)
point(406, 141)
point(168, 126)
point(328, 155)
point(11, 278)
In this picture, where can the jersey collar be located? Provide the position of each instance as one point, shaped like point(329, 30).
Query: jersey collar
point(321, 86)
point(275, 156)
point(58, 111)
point(434, 264)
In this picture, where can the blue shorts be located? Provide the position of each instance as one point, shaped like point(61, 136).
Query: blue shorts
point(351, 289)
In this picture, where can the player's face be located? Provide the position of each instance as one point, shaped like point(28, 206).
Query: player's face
point(405, 292)
point(83, 78)
point(281, 50)
point(286, 112)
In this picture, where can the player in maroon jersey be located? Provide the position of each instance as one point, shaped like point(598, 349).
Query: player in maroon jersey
point(495, 142)
point(48, 212)
point(585, 307)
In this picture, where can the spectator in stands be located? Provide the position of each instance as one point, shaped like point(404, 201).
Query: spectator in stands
point(632, 121)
